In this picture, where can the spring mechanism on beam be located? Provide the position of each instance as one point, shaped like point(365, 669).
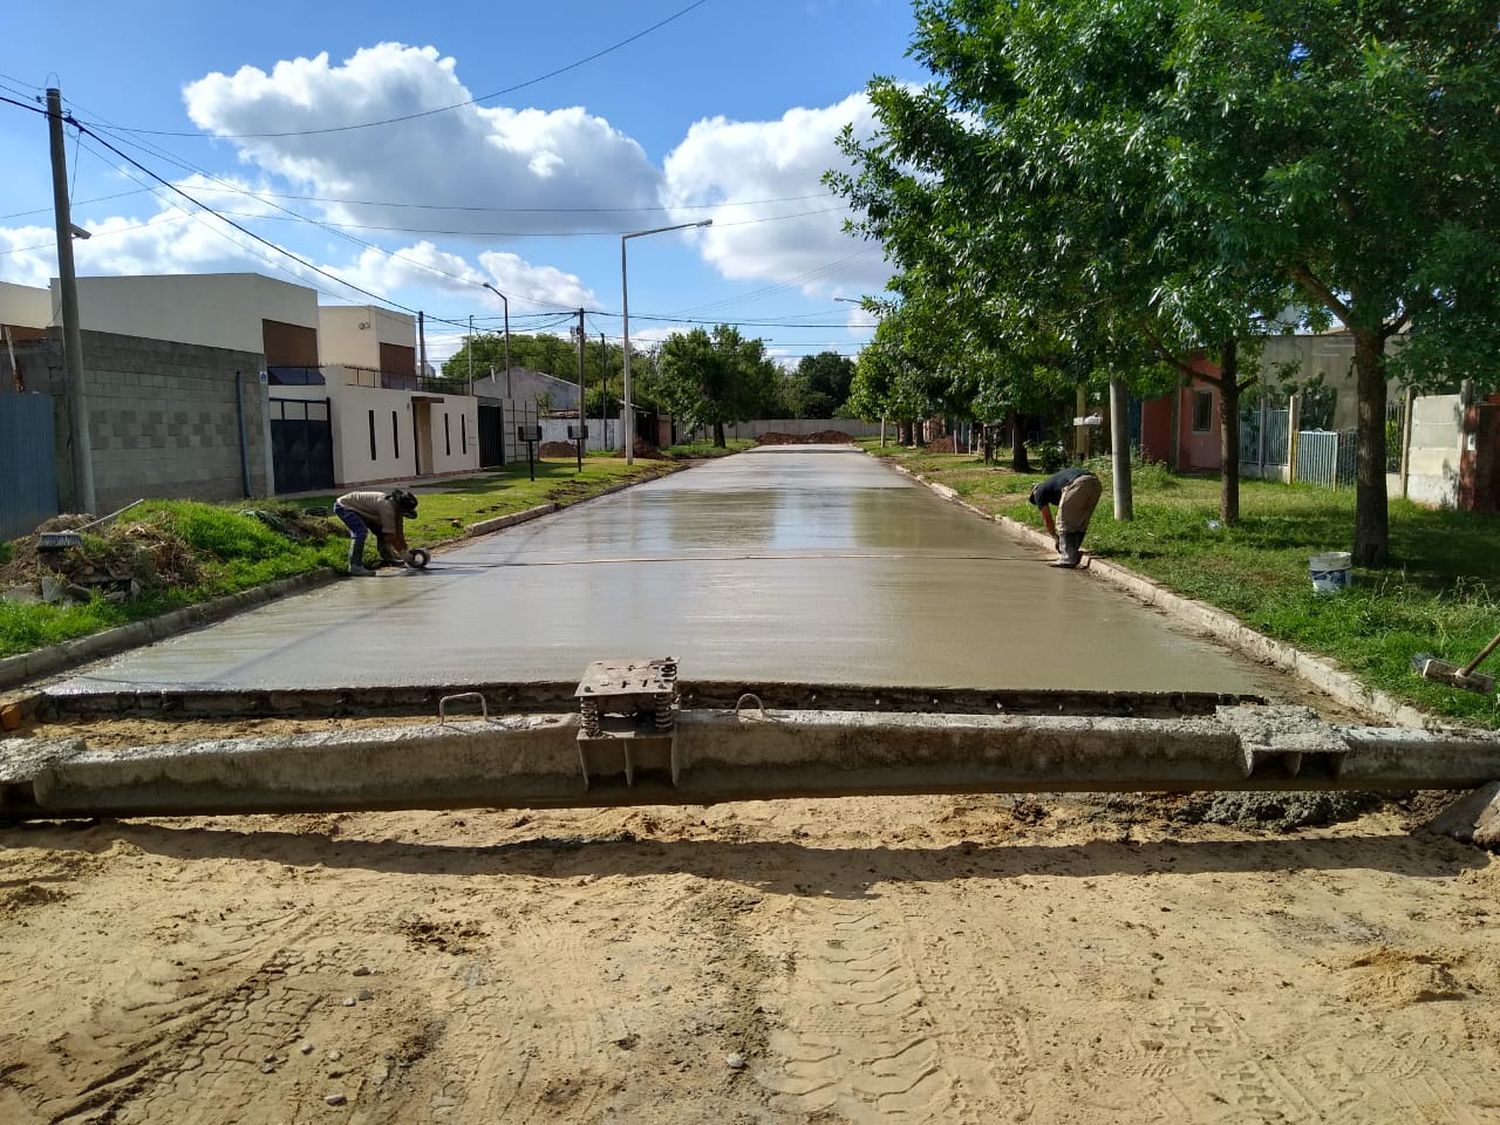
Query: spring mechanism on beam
point(590, 715)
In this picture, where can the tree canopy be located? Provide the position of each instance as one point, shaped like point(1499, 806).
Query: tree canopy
point(1123, 187)
point(709, 379)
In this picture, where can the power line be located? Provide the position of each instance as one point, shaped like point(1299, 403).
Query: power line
point(76, 203)
point(330, 228)
point(437, 109)
point(543, 210)
point(246, 231)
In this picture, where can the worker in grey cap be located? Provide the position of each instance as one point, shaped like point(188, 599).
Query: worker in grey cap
point(381, 513)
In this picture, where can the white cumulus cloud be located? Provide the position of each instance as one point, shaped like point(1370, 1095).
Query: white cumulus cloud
point(474, 170)
point(721, 160)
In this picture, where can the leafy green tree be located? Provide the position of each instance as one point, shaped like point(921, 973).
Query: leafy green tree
point(1352, 148)
point(709, 379)
point(826, 377)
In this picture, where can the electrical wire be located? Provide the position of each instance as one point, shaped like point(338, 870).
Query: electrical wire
point(303, 262)
point(436, 109)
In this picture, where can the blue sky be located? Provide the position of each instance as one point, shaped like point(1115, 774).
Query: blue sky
point(728, 111)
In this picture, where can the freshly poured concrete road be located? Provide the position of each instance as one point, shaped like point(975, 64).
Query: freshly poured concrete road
point(806, 564)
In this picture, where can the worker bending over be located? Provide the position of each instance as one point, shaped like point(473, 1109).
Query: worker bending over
point(1075, 494)
point(381, 513)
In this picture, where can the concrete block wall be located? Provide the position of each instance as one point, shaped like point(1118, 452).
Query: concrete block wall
point(162, 418)
point(1436, 450)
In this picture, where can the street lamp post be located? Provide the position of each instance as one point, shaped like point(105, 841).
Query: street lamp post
point(506, 302)
point(627, 412)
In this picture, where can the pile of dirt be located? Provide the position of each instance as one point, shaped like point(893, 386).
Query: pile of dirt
point(557, 449)
point(120, 562)
point(945, 445)
point(822, 437)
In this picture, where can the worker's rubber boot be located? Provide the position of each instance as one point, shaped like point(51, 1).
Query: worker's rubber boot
point(357, 568)
point(1072, 550)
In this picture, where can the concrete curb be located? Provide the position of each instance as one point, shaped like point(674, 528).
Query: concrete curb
point(57, 658)
point(1223, 627)
point(500, 523)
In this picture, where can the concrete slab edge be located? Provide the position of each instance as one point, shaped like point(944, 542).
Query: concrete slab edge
point(1223, 627)
point(47, 661)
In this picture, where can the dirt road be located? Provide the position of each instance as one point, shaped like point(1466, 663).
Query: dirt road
point(923, 959)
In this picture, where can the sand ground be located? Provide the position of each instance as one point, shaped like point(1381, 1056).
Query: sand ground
point(915, 959)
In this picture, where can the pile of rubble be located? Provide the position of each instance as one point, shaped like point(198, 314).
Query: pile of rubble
point(119, 563)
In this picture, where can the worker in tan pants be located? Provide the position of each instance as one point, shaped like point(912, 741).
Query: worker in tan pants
point(1075, 493)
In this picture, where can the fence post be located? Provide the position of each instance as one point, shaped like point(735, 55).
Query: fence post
point(1262, 450)
point(1407, 403)
point(1293, 429)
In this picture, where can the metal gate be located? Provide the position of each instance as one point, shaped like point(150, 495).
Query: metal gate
point(302, 444)
point(1326, 458)
point(28, 464)
point(491, 436)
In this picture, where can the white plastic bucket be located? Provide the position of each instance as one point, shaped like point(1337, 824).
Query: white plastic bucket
point(1330, 572)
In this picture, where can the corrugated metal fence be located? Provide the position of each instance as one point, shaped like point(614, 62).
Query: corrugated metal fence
point(1326, 457)
point(1264, 437)
point(28, 465)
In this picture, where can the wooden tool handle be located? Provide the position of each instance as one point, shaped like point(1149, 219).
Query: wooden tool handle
point(1478, 660)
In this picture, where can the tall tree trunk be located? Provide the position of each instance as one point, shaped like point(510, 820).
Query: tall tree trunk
point(1018, 461)
point(1371, 523)
point(719, 435)
point(987, 442)
point(1229, 433)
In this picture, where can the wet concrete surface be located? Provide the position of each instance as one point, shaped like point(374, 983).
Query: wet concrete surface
point(809, 564)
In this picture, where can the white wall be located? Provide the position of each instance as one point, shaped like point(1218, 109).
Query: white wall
point(1436, 450)
point(352, 334)
point(25, 306)
point(220, 310)
point(449, 452)
point(1329, 354)
point(556, 429)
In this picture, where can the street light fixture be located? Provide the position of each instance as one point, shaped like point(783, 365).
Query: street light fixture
point(627, 413)
point(506, 302)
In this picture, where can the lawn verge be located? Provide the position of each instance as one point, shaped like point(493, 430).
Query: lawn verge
point(1440, 596)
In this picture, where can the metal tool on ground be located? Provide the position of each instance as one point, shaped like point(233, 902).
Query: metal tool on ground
point(1431, 668)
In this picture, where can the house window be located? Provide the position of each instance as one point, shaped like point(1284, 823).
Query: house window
point(396, 434)
point(1203, 411)
point(463, 434)
point(372, 435)
point(447, 437)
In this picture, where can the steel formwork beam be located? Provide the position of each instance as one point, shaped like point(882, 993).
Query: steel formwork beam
point(533, 761)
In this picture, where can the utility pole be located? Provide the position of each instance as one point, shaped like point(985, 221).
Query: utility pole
point(583, 422)
point(78, 405)
point(469, 347)
point(421, 347)
point(1120, 447)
